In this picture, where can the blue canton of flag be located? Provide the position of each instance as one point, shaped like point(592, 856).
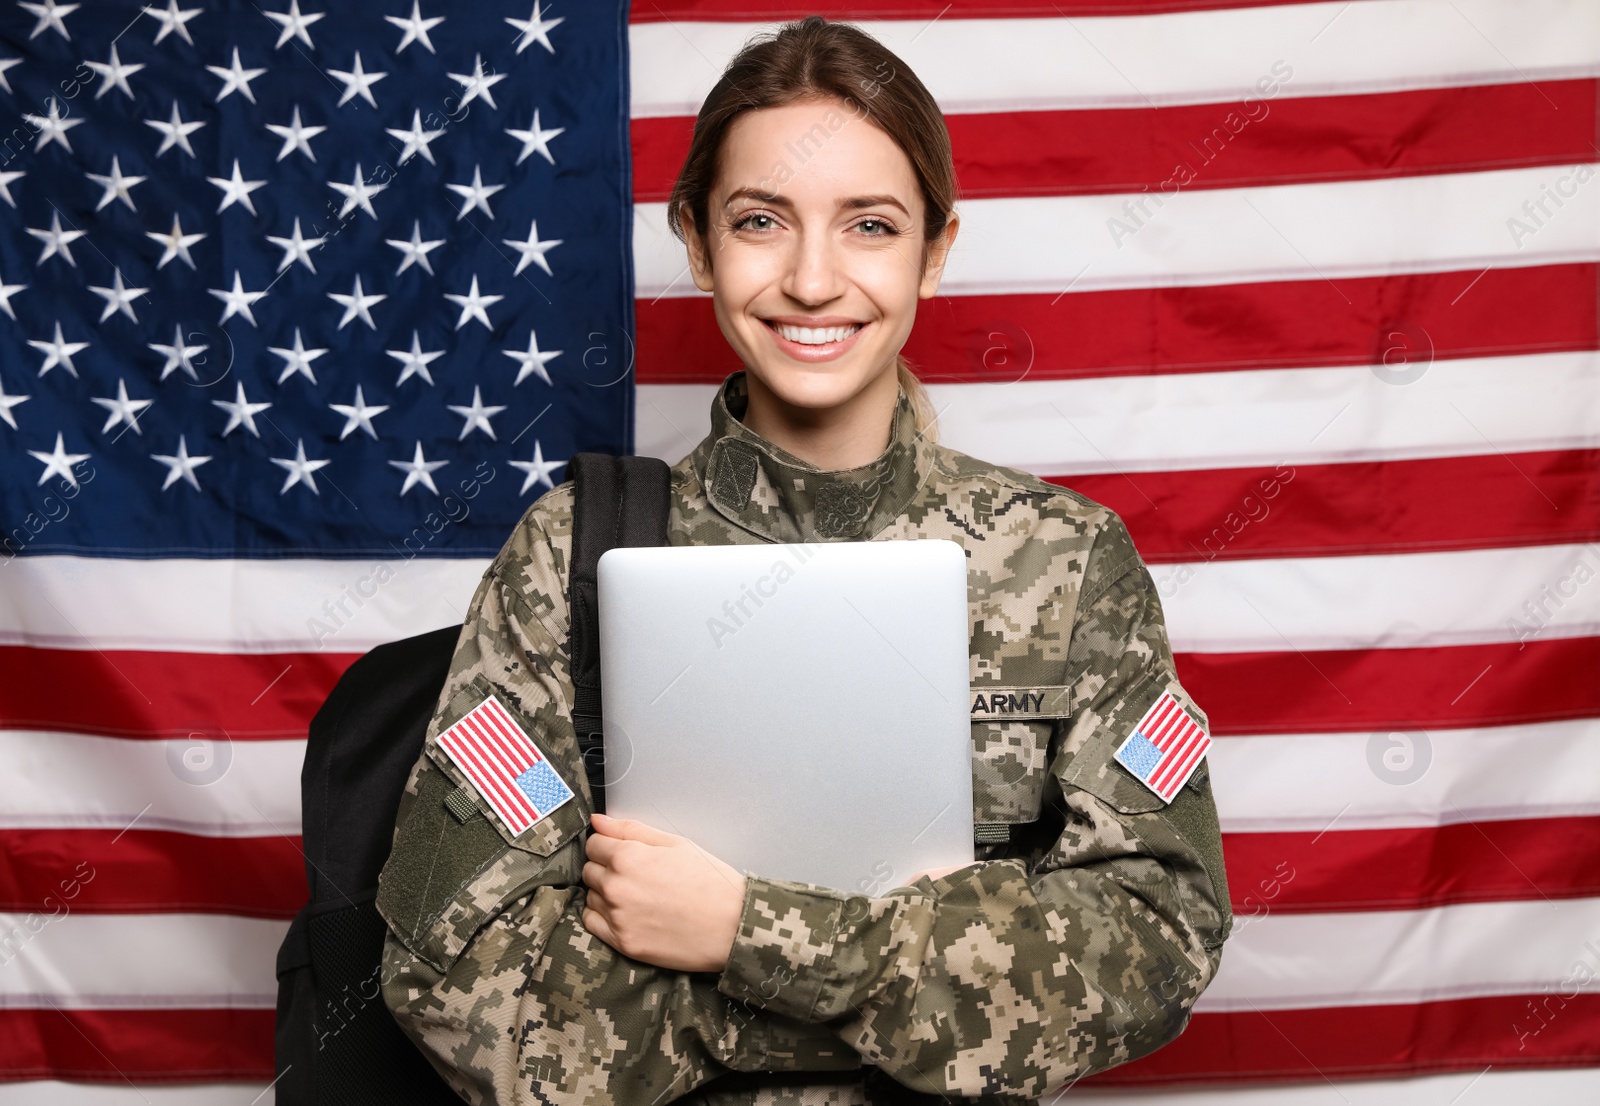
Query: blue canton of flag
point(280, 281)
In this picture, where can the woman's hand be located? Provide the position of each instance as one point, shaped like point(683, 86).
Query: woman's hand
point(660, 898)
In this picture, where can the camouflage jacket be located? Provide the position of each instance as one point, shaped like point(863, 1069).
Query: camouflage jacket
point(1093, 921)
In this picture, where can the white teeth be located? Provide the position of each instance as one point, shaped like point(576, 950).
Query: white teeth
point(817, 336)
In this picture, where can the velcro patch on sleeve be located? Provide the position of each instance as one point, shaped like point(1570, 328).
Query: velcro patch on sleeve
point(514, 777)
point(1165, 747)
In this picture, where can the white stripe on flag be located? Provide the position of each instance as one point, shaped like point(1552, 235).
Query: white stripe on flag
point(78, 781)
point(1294, 961)
point(1266, 417)
point(1428, 223)
point(141, 961)
point(1339, 781)
point(1135, 61)
point(229, 606)
point(1280, 782)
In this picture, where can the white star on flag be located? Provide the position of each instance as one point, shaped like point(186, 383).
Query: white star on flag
point(538, 470)
point(532, 250)
point(236, 189)
point(6, 292)
point(358, 415)
point(59, 462)
point(296, 360)
point(238, 301)
point(472, 305)
point(295, 136)
point(357, 82)
point(175, 132)
point(121, 409)
point(236, 78)
point(58, 352)
point(533, 361)
point(477, 415)
point(416, 139)
point(416, 29)
point(53, 127)
point(358, 193)
point(113, 74)
point(295, 248)
point(418, 470)
point(416, 250)
point(56, 240)
point(476, 85)
point(535, 140)
point(116, 185)
point(118, 297)
point(179, 355)
point(6, 65)
point(415, 360)
point(6, 179)
point(176, 244)
point(475, 195)
point(535, 28)
point(7, 402)
point(241, 412)
point(294, 24)
point(298, 468)
point(172, 19)
point(50, 15)
point(356, 303)
point(180, 465)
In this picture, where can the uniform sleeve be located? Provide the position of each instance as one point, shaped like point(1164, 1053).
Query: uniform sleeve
point(1018, 976)
point(487, 965)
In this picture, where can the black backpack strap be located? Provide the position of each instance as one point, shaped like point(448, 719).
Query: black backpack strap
point(619, 502)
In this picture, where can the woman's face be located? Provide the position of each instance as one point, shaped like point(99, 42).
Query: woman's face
point(814, 252)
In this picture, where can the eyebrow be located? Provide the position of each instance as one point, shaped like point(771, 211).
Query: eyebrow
point(852, 203)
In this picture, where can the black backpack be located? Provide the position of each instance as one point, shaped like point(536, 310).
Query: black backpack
point(335, 1040)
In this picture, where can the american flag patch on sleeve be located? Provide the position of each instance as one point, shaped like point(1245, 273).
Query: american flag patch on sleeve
point(1165, 747)
point(504, 764)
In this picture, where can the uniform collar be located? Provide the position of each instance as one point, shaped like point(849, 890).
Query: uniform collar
point(774, 494)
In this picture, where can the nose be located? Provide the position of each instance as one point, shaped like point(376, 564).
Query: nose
point(814, 275)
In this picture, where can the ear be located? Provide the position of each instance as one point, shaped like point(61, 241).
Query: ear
point(699, 252)
point(938, 254)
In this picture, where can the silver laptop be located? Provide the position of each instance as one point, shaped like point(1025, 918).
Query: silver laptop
point(798, 710)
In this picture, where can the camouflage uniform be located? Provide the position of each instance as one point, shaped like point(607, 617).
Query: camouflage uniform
point(1094, 920)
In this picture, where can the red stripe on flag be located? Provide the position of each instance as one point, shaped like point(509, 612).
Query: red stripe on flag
point(513, 756)
point(464, 743)
point(501, 771)
point(1458, 1035)
point(1489, 501)
point(136, 693)
point(1413, 868)
point(1431, 687)
point(511, 735)
point(1380, 869)
point(150, 872)
point(1271, 141)
point(1138, 331)
point(116, 1046)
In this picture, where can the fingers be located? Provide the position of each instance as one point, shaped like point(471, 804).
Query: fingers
point(630, 829)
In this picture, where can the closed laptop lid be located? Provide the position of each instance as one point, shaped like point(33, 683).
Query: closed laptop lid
point(799, 711)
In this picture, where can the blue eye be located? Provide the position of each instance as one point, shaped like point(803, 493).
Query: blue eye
point(883, 228)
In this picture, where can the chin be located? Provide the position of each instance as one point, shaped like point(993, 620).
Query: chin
point(814, 387)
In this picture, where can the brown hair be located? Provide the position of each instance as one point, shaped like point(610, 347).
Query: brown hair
point(810, 59)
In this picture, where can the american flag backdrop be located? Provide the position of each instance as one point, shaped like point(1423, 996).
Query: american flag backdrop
point(305, 302)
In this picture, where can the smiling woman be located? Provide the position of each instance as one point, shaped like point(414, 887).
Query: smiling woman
point(593, 959)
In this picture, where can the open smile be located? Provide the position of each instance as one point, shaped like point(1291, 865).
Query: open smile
point(814, 343)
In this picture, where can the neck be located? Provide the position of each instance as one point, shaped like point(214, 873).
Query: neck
point(845, 436)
